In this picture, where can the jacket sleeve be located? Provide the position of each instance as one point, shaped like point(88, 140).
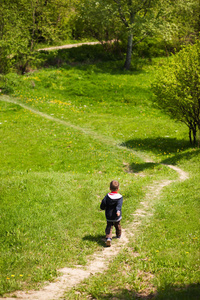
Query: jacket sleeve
point(119, 204)
point(103, 203)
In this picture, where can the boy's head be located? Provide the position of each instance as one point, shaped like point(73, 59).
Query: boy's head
point(114, 186)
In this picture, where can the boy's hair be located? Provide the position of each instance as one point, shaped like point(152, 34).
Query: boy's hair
point(114, 185)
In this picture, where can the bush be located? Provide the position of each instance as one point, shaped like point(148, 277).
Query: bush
point(177, 88)
point(9, 82)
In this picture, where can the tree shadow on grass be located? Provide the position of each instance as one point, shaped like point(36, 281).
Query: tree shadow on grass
point(164, 146)
point(99, 239)
point(86, 55)
point(188, 292)
point(159, 145)
point(174, 159)
point(137, 168)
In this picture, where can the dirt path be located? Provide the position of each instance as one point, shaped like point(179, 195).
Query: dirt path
point(70, 46)
point(99, 261)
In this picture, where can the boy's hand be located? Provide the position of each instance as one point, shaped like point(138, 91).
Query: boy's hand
point(118, 213)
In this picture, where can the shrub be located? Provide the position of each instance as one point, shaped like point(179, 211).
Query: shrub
point(177, 88)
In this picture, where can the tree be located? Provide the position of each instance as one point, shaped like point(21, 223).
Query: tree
point(174, 21)
point(138, 17)
point(177, 88)
point(116, 19)
point(10, 34)
point(25, 23)
point(97, 19)
point(186, 15)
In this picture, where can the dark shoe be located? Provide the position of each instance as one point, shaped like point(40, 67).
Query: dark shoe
point(118, 237)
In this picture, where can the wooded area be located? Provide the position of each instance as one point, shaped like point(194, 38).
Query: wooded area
point(141, 27)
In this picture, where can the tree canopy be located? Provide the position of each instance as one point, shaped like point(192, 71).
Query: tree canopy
point(25, 23)
point(135, 20)
point(177, 88)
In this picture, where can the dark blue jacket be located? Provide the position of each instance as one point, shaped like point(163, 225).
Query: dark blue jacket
point(112, 203)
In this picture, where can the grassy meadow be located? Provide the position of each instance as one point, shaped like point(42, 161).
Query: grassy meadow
point(55, 171)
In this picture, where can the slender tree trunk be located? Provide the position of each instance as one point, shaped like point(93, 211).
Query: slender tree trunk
point(193, 134)
point(194, 131)
point(127, 64)
point(34, 6)
point(190, 135)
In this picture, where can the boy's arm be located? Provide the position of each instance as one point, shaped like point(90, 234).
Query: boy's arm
point(119, 206)
point(103, 204)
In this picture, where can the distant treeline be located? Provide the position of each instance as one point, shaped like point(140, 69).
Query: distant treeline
point(141, 28)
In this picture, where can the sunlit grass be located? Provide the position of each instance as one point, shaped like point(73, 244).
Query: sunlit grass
point(162, 260)
point(53, 178)
point(54, 175)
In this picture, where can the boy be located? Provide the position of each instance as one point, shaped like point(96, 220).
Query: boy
point(112, 204)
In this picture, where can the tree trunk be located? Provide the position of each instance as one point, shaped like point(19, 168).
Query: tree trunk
point(129, 52)
point(194, 131)
point(193, 134)
point(190, 135)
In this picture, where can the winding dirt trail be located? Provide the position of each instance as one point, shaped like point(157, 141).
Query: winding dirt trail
point(99, 261)
point(69, 46)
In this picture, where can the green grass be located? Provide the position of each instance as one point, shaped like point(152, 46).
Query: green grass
point(54, 175)
point(162, 262)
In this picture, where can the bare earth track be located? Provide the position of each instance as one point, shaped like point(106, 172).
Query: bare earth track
point(68, 46)
point(99, 261)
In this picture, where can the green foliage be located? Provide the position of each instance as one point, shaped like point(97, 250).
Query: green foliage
point(97, 19)
point(177, 88)
point(11, 35)
point(185, 14)
point(24, 24)
point(131, 22)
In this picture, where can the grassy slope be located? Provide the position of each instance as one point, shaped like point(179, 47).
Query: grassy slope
point(54, 176)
